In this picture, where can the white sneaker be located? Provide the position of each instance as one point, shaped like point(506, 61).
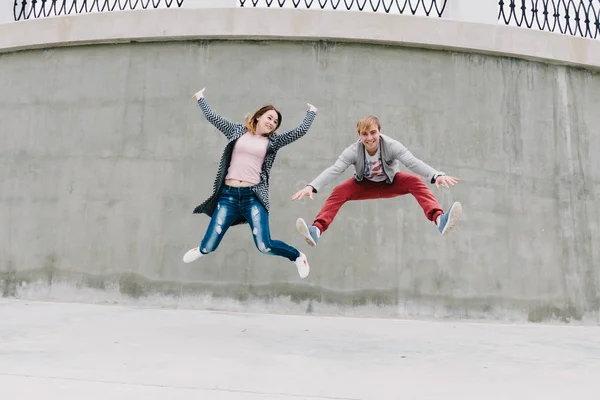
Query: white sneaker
point(302, 265)
point(192, 255)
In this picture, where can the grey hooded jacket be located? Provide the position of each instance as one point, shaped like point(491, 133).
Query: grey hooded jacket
point(392, 153)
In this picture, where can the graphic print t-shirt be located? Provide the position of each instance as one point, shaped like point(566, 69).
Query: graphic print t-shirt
point(373, 168)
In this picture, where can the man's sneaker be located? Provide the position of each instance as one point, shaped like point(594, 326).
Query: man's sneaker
point(449, 219)
point(192, 255)
point(302, 265)
point(311, 235)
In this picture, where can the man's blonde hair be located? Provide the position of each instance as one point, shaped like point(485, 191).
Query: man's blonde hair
point(366, 122)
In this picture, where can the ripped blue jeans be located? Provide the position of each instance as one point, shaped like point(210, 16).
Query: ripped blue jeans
point(241, 201)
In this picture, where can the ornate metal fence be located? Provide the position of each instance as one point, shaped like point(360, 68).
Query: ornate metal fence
point(29, 9)
point(414, 7)
point(571, 17)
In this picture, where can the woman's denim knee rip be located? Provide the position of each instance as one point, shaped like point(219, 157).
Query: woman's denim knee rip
point(211, 241)
point(258, 231)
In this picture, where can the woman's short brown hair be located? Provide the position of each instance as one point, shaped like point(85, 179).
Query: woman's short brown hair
point(252, 120)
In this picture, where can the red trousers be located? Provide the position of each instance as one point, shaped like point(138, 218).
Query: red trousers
point(403, 183)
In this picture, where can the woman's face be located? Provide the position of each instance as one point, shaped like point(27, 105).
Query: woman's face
point(266, 123)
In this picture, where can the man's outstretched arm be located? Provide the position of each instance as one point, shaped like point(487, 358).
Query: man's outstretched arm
point(421, 168)
point(328, 175)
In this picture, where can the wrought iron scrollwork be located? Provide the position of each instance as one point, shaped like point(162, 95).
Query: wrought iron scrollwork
point(30, 9)
point(414, 7)
point(570, 17)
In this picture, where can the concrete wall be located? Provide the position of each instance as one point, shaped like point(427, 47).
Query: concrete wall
point(105, 155)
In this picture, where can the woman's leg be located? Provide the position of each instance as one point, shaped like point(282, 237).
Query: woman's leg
point(227, 212)
point(258, 218)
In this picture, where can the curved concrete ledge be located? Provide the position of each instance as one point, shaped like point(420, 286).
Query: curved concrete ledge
point(240, 23)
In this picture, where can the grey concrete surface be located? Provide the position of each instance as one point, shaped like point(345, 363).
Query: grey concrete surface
point(74, 351)
point(104, 155)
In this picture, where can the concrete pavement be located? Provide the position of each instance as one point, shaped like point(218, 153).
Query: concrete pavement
point(76, 351)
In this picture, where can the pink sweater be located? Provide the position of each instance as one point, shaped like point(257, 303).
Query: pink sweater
point(247, 158)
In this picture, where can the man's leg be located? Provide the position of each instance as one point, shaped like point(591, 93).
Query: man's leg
point(405, 183)
point(346, 191)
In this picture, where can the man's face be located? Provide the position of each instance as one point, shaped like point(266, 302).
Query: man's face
point(370, 138)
